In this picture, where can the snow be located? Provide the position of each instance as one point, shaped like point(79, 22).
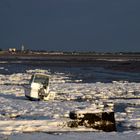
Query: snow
point(77, 136)
point(19, 115)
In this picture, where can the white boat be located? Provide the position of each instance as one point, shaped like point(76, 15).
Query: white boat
point(38, 88)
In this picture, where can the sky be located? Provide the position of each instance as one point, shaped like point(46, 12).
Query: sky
point(70, 25)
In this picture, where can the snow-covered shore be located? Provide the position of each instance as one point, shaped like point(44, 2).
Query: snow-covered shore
point(77, 136)
point(18, 114)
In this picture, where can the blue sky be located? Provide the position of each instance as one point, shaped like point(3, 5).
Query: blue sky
point(70, 25)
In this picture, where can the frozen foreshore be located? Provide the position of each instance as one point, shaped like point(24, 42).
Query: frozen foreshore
point(74, 136)
point(19, 115)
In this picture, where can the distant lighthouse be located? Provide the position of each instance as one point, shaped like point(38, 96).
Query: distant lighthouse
point(22, 48)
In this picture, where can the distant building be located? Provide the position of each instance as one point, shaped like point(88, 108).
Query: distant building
point(12, 50)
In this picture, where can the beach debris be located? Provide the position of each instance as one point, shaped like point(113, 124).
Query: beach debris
point(94, 117)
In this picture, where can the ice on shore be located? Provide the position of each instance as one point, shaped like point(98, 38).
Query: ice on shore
point(18, 114)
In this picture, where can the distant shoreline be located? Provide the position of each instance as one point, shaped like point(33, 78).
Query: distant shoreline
point(70, 57)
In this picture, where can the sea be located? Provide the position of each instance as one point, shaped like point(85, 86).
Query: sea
point(84, 73)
